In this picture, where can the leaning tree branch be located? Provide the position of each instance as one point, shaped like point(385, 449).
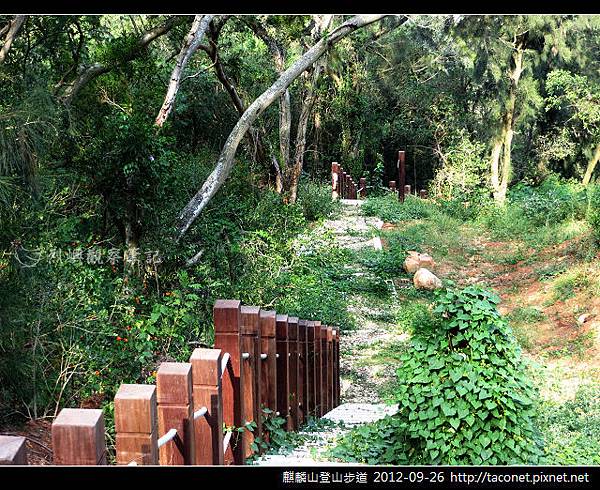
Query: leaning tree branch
point(285, 107)
point(225, 163)
point(190, 45)
point(13, 31)
point(89, 72)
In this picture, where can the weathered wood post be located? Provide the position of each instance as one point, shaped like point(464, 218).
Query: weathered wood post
point(175, 411)
point(407, 189)
point(268, 373)
point(331, 368)
point(251, 365)
point(302, 373)
point(392, 185)
point(350, 187)
point(318, 385)
point(283, 370)
point(136, 424)
point(310, 370)
point(336, 365)
point(325, 371)
point(335, 171)
point(401, 175)
point(344, 185)
point(78, 437)
point(294, 372)
point(423, 194)
point(207, 392)
point(227, 319)
point(13, 450)
point(363, 187)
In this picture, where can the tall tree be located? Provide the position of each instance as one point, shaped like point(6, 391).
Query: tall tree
point(225, 162)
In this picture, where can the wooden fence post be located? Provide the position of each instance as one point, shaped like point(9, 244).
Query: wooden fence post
point(283, 370)
point(401, 175)
point(407, 189)
point(207, 392)
point(336, 365)
point(363, 187)
point(13, 450)
point(227, 319)
point(251, 387)
point(311, 371)
point(294, 372)
point(302, 373)
point(78, 437)
point(344, 185)
point(268, 371)
point(175, 411)
point(331, 368)
point(136, 424)
point(325, 371)
point(318, 385)
point(392, 185)
point(335, 170)
point(423, 194)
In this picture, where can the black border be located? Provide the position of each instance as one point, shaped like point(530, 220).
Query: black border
point(299, 7)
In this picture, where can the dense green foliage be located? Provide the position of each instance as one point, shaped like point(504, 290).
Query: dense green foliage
point(463, 393)
point(95, 289)
point(572, 430)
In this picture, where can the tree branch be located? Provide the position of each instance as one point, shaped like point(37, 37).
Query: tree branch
point(89, 72)
point(13, 31)
point(190, 45)
point(225, 163)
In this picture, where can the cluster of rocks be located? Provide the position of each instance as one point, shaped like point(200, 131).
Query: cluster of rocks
point(419, 264)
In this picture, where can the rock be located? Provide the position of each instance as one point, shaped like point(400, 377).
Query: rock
point(416, 260)
point(584, 318)
point(425, 279)
point(412, 264)
point(426, 261)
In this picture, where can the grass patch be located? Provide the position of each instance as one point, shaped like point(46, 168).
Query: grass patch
point(571, 430)
point(566, 284)
point(522, 320)
point(390, 210)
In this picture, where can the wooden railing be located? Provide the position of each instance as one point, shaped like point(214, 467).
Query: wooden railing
point(192, 415)
point(344, 187)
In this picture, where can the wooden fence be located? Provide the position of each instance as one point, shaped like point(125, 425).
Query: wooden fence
point(344, 187)
point(195, 413)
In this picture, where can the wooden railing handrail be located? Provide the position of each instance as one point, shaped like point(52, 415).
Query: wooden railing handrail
point(192, 402)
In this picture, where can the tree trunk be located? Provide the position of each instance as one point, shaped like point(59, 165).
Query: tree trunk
point(500, 172)
point(88, 73)
point(225, 163)
point(294, 171)
point(13, 30)
point(285, 106)
point(257, 145)
point(192, 41)
point(591, 166)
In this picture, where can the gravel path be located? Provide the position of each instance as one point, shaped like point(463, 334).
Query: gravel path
point(361, 375)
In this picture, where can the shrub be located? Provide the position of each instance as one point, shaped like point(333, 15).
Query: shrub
point(389, 209)
point(554, 201)
point(462, 391)
point(572, 429)
point(383, 442)
point(315, 200)
point(464, 173)
point(593, 211)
